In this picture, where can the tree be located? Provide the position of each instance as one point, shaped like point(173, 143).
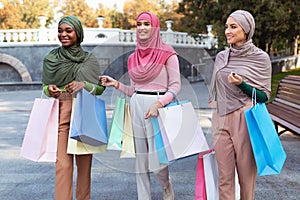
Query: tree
point(80, 9)
point(30, 10)
point(17, 14)
point(168, 12)
point(9, 17)
point(197, 14)
point(277, 21)
point(134, 7)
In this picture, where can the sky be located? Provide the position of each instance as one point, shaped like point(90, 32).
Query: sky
point(106, 3)
point(109, 3)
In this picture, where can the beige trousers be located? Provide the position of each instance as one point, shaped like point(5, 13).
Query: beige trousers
point(233, 149)
point(64, 162)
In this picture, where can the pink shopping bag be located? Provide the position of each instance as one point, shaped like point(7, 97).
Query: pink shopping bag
point(207, 178)
point(200, 190)
point(40, 139)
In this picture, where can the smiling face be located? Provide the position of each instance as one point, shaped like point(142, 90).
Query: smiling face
point(143, 29)
point(234, 33)
point(67, 35)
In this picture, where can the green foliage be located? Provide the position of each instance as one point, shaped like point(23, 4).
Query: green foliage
point(277, 21)
point(197, 14)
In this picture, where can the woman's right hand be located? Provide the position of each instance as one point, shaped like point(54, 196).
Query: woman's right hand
point(54, 91)
point(108, 81)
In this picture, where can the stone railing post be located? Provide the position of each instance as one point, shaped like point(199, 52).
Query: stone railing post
point(100, 20)
point(42, 30)
point(169, 24)
point(169, 32)
point(210, 36)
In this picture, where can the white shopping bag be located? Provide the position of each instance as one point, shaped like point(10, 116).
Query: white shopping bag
point(183, 133)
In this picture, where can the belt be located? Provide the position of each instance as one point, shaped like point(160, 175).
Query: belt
point(66, 96)
point(150, 93)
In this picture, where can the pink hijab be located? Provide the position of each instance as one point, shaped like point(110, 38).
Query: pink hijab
point(149, 57)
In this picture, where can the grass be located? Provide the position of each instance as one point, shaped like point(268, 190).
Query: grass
point(277, 77)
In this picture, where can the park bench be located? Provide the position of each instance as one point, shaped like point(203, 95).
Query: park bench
point(285, 108)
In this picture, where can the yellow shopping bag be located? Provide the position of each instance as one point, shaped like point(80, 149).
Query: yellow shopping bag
point(128, 148)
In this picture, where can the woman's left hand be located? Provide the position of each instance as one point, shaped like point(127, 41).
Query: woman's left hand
point(153, 110)
point(74, 87)
point(235, 79)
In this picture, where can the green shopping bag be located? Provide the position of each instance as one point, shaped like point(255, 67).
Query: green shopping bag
point(117, 126)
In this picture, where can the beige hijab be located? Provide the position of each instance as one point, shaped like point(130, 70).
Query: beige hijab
point(248, 61)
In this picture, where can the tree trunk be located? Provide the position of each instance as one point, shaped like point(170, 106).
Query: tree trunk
point(262, 44)
point(296, 45)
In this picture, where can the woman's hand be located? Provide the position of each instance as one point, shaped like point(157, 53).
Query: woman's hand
point(235, 79)
point(54, 91)
point(153, 110)
point(212, 104)
point(74, 87)
point(108, 81)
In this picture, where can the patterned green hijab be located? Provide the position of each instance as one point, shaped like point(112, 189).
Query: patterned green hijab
point(66, 64)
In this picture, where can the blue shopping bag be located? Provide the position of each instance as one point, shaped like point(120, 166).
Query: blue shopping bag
point(267, 149)
point(88, 121)
point(159, 144)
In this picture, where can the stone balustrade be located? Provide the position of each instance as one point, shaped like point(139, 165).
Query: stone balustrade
point(100, 35)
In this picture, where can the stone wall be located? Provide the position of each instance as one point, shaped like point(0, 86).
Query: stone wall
point(23, 63)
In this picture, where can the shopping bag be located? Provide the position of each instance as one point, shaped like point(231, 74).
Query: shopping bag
point(200, 190)
point(166, 142)
point(159, 144)
point(128, 147)
point(40, 139)
point(267, 149)
point(211, 176)
point(78, 148)
point(207, 178)
point(182, 130)
point(89, 123)
point(117, 125)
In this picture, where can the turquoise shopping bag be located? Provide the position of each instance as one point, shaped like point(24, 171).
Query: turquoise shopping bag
point(267, 149)
point(159, 144)
point(117, 126)
point(88, 121)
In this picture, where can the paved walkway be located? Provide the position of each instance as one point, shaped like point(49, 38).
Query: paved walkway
point(112, 179)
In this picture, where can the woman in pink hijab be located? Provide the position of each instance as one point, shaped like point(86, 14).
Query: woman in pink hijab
point(237, 71)
point(155, 78)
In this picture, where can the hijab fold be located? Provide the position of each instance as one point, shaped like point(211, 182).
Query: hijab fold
point(66, 64)
point(150, 56)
